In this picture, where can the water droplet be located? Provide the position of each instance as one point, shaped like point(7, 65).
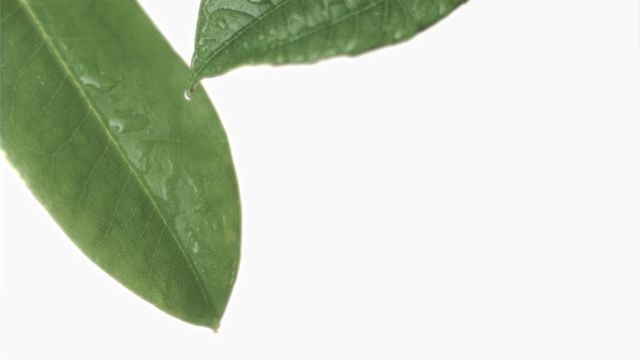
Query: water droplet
point(296, 23)
point(195, 248)
point(188, 94)
point(133, 121)
point(116, 124)
point(351, 45)
point(164, 191)
point(193, 185)
point(126, 122)
point(222, 24)
point(96, 83)
point(198, 209)
point(140, 161)
point(88, 80)
point(442, 9)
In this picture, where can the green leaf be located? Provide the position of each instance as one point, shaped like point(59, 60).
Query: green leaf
point(94, 119)
point(232, 33)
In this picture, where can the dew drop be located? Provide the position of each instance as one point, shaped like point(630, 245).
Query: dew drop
point(195, 248)
point(222, 24)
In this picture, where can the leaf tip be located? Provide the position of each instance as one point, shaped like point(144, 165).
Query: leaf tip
point(215, 325)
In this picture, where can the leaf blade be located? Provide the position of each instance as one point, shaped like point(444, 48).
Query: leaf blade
point(94, 120)
point(230, 33)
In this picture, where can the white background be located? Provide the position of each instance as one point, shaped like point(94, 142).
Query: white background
point(471, 194)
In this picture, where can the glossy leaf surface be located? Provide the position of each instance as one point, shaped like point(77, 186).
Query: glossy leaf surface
point(231, 33)
point(94, 119)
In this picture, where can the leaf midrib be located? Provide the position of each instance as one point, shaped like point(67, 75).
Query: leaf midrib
point(56, 54)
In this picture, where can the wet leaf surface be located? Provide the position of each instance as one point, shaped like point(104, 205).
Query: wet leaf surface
point(232, 33)
point(94, 119)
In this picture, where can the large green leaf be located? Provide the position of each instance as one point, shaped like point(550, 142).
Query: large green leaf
point(231, 33)
point(94, 119)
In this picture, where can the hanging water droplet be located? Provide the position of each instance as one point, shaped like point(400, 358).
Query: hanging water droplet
point(188, 94)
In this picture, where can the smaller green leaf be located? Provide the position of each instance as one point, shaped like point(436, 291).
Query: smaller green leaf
point(232, 33)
